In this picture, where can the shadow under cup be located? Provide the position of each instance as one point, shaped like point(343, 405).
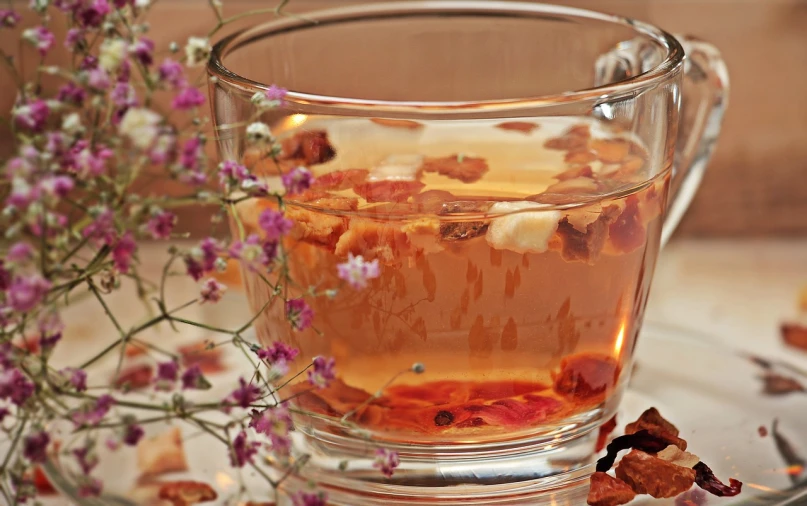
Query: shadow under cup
point(515, 225)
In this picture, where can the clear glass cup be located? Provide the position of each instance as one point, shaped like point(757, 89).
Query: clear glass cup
point(513, 168)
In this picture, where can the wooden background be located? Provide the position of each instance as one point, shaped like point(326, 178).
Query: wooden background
point(756, 184)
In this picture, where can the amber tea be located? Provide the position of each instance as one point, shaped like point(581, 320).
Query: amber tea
point(515, 260)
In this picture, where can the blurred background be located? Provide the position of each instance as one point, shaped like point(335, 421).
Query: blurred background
point(756, 184)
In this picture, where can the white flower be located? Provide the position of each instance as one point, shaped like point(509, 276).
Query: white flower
point(142, 3)
point(197, 51)
point(356, 271)
point(71, 124)
point(258, 132)
point(141, 126)
point(112, 53)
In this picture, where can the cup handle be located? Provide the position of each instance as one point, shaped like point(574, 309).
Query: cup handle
point(704, 97)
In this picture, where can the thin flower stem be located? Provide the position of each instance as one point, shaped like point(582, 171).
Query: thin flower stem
point(14, 443)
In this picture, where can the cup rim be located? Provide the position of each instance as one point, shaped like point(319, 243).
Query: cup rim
point(307, 102)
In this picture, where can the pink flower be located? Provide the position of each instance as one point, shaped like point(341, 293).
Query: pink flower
point(297, 180)
point(86, 459)
point(232, 174)
point(73, 38)
point(212, 291)
point(40, 37)
point(123, 252)
point(299, 314)
point(20, 253)
point(9, 18)
point(35, 446)
point(310, 499)
point(356, 271)
point(172, 73)
point(161, 224)
point(276, 423)
point(103, 227)
point(15, 386)
point(123, 95)
point(276, 94)
point(193, 379)
point(244, 395)
point(92, 414)
point(76, 377)
point(387, 461)
point(274, 224)
point(203, 258)
point(143, 51)
point(242, 450)
point(133, 434)
point(72, 94)
point(32, 116)
point(164, 148)
point(56, 186)
point(191, 154)
point(322, 372)
point(90, 487)
point(188, 98)
point(92, 15)
point(98, 79)
point(167, 374)
point(86, 160)
point(25, 293)
point(277, 356)
point(250, 251)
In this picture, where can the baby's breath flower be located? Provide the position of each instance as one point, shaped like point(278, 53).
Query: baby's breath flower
point(140, 125)
point(161, 224)
point(188, 98)
point(303, 498)
point(274, 224)
point(39, 37)
point(356, 271)
point(197, 51)
point(243, 450)
point(26, 292)
point(71, 124)
point(143, 50)
point(33, 115)
point(9, 18)
point(35, 446)
point(259, 133)
point(386, 461)
point(98, 79)
point(112, 54)
point(171, 72)
point(212, 291)
point(297, 180)
point(322, 372)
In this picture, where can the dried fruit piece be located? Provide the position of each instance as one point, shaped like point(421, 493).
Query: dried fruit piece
point(776, 384)
point(580, 156)
point(309, 147)
point(372, 239)
point(586, 375)
point(574, 186)
point(423, 234)
point(610, 150)
point(679, 457)
point(575, 172)
point(526, 229)
point(317, 228)
point(652, 422)
point(604, 433)
point(651, 475)
point(388, 190)
point(795, 335)
point(397, 123)
point(575, 139)
point(443, 418)
point(627, 232)
point(162, 453)
point(462, 230)
point(185, 493)
point(200, 353)
point(608, 491)
point(135, 377)
point(586, 246)
point(340, 179)
point(464, 168)
point(518, 126)
point(706, 480)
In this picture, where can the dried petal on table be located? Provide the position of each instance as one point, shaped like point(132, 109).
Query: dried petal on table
point(185, 493)
point(407, 124)
point(134, 377)
point(163, 453)
point(467, 169)
point(604, 433)
point(652, 421)
point(762, 431)
point(608, 491)
point(796, 463)
point(518, 126)
point(795, 335)
point(201, 353)
point(777, 384)
point(41, 482)
point(641, 440)
point(651, 475)
point(706, 480)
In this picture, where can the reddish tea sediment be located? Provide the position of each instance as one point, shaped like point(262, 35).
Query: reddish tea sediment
point(523, 314)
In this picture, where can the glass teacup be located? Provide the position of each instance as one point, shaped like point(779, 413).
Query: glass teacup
point(515, 225)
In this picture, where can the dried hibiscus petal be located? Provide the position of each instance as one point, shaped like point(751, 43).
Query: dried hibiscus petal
point(518, 126)
point(310, 147)
point(585, 376)
point(776, 384)
point(585, 246)
point(706, 480)
point(464, 168)
point(575, 139)
point(185, 493)
point(651, 475)
point(42, 483)
point(605, 432)
point(388, 191)
point(627, 232)
point(340, 179)
point(641, 440)
point(608, 491)
point(795, 335)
